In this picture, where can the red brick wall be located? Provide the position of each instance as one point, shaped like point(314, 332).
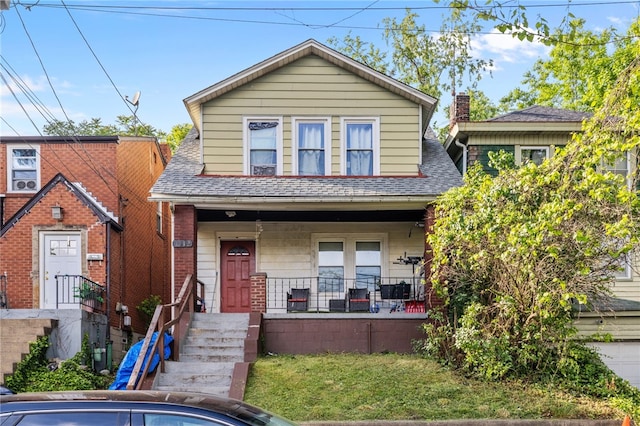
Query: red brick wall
point(146, 251)
point(431, 299)
point(124, 169)
point(185, 227)
point(259, 292)
point(20, 242)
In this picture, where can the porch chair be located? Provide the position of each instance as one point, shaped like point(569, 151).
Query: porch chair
point(358, 300)
point(298, 299)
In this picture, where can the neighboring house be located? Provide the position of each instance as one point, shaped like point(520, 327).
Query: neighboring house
point(312, 171)
point(532, 134)
point(79, 239)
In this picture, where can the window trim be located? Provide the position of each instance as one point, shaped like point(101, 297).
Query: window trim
point(9, 151)
point(246, 147)
point(294, 142)
point(375, 122)
point(519, 148)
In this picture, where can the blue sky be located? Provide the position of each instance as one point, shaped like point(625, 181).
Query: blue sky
point(94, 54)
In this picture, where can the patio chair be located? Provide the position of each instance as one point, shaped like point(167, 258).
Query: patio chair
point(358, 300)
point(298, 299)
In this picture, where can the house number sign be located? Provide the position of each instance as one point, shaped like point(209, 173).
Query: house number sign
point(182, 243)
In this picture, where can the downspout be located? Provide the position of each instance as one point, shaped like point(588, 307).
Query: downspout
point(108, 279)
point(464, 156)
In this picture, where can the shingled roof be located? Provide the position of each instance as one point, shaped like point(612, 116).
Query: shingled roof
point(537, 113)
point(182, 181)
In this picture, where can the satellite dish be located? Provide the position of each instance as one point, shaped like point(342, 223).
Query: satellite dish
point(136, 99)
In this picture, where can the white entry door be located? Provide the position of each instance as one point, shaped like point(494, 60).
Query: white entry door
point(61, 256)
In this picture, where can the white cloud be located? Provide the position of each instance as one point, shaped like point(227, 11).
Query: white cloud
point(505, 48)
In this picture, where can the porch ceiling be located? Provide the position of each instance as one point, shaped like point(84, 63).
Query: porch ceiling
point(205, 215)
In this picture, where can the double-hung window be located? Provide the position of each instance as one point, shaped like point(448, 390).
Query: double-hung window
point(312, 154)
point(263, 146)
point(23, 171)
point(368, 266)
point(331, 266)
point(361, 146)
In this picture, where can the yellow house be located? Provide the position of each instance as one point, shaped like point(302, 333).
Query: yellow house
point(304, 190)
point(532, 134)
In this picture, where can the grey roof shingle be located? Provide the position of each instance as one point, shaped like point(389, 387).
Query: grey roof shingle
point(183, 177)
point(539, 113)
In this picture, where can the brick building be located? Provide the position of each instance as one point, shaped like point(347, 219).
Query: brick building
point(75, 210)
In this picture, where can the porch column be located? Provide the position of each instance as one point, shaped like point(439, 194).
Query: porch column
point(432, 300)
point(259, 292)
point(185, 224)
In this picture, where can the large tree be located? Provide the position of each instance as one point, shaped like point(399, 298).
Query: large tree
point(126, 125)
point(577, 74)
point(515, 254)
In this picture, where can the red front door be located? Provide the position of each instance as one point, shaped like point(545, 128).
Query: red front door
point(237, 264)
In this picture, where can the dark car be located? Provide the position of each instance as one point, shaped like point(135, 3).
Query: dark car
point(130, 408)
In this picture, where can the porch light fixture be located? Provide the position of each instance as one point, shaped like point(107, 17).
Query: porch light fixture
point(56, 212)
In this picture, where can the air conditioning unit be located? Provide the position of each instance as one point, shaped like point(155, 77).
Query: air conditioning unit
point(25, 185)
point(263, 170)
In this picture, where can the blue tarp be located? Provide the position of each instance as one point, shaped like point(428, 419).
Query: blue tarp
point(129, 361)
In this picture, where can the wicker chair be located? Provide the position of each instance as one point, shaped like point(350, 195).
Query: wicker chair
point(358, 300)
point(298, 299)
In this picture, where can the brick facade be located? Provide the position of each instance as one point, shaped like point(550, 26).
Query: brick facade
point(117, 173)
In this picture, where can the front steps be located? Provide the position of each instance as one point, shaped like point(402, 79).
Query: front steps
point(214, 344)
point(16, 335)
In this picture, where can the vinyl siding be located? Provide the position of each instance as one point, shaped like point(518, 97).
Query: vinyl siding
point(311, 87)
point(286, 250)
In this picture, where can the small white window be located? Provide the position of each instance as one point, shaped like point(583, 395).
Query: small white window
point(533, 154)
point(23, 168)
point(263, 146)
point(360, 146)
point(619, 166)
point(312, 147)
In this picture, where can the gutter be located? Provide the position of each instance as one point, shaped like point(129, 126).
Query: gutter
point(464, 155)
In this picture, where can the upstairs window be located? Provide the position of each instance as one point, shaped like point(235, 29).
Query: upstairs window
point(263, 141)
point(533, 154)
point(361, 140)
point(23, 170)
point(312, 142)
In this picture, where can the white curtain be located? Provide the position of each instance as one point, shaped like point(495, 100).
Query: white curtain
point(360, 149)
point(311, 149)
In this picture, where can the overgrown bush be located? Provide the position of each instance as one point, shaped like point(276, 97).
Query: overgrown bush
point(35, 374)
point(148, 307)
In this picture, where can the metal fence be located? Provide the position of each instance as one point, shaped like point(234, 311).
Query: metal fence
point(73, 291)
point(333, 294)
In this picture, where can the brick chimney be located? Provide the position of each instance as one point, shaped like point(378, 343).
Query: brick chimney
point(459, 109)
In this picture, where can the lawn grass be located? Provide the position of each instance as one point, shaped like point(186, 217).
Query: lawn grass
point(399, 387)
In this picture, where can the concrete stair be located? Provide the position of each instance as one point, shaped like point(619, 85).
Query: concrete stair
point(15, 338)
point(214, 343)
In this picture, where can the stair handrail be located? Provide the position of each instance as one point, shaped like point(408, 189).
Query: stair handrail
point(185, 304)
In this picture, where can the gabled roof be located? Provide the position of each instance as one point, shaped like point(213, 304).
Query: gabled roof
point(182, 182)
point(87, 199)
point(537, 113)
point(309, 47)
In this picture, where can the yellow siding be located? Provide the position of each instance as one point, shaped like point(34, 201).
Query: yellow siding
point(620, 327)
point(311, 87)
